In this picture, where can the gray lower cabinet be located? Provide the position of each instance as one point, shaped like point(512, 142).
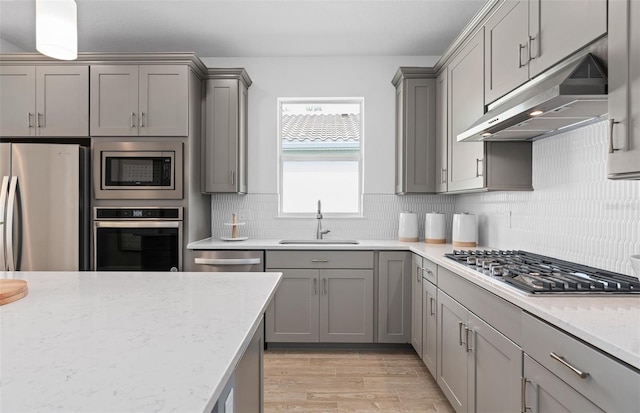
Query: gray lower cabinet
point(588, 377)
point(294, 313)
point(394, 296)
point(44, 100)
point(244, 392)
point(224, 145)
point(416, 304)
point(330, 302)
point(478, 368)
point(429, 326)
point(144, 100)
point(623, 160)
point(546, 393)
point(415, 130)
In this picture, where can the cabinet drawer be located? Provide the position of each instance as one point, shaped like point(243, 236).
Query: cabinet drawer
point(430, 271)
point(609, 384)
point(319, 259)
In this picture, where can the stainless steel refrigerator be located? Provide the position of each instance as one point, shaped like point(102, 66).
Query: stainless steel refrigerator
point(44, 203)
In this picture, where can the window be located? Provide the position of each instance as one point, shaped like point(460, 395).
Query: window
point(320, 152)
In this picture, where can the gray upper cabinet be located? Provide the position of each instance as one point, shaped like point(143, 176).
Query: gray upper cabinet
point(623, 160)
point(225, 143)
point(394, 296)
point(551, 40)
point(442, 127)
point(506, 45)
point(44, 100)
point(415, 130)
point(466, 104)
point(477, 166)
point(147, 100)
point(525, 38)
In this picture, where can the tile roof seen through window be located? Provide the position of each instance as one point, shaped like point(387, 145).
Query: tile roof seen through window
point(321, 128)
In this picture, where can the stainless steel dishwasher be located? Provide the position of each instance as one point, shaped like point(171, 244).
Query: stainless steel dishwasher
point(228, 261)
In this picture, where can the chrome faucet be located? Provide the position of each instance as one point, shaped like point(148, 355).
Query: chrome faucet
point(320, 232)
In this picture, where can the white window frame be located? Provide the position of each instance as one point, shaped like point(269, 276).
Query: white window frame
point(359, 158)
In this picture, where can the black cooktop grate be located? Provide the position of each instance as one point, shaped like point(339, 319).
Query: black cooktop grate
point(539, 274)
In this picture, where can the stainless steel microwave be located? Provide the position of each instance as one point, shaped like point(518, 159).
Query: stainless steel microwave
point(137, 170)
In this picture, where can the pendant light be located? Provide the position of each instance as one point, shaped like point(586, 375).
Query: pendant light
point(57, 28)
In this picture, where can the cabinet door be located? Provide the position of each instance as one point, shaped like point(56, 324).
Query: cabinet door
point(114, 100)
point(221, 136)
point(346, 306)
point(248, 391)
point(164, 100)
point(495, 370)
point(17, 100)
point(400, 139)
point(441, 132)
point(394, 297)
point(293, 313)
point(506, 49)
point(429, 326)
point(416, 304)
point(62, 100)
point(624, 90)
point(552, 41)
point(546, 393)
point(452, 354)
point(418, 140)
point(466, 105)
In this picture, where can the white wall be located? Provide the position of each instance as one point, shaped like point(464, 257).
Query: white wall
point(368, 77)
point(8, 47)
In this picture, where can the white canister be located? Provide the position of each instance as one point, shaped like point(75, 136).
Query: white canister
point(434, 228)
point(465, 230)
point(408, 227)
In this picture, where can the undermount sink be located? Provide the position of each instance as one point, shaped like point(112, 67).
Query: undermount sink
point(319, 241)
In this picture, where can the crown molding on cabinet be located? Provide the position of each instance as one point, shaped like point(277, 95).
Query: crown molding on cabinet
point(181, 58)
point(412, 73)
point(230, 73)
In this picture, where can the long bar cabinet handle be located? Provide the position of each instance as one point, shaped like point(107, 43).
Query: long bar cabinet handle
point(315, 286)
point(612, 122)
point(431, 300)
point(466, 335)
point(520, 47)
point(443, 175)
point(133, 115)
point(478, 173)
point(561, 360)
point(30, 119)
point(319, 260)
point(142, 119)
point(460, 324)
point(523, 395)
point(531, 56)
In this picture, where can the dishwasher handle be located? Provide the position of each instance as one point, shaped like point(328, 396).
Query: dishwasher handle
point(227, 261)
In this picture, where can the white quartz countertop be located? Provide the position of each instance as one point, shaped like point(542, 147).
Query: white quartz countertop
point(126, 341)
point(610, 323)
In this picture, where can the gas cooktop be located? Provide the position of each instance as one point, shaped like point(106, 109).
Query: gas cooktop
point(538, 274)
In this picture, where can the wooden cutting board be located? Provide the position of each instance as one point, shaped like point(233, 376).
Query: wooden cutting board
point(12, 290)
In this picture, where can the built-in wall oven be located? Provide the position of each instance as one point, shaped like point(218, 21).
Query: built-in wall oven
point(137, 170)
point(137, 239)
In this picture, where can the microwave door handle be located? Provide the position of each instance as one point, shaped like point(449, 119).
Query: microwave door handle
point(4, 187)
point(13, 189)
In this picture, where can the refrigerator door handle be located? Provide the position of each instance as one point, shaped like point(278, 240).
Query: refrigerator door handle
point(4, 187)
point(13, 188)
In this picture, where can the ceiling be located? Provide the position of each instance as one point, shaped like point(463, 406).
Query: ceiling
point(260, 28)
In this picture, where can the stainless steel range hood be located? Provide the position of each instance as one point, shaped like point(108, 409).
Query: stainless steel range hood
point(570, 95)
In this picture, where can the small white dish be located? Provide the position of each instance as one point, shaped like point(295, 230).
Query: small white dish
point(635, 264)
point(234, 239)
point(237, 224)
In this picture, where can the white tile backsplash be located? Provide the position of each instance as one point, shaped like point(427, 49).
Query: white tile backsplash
point(380, 221)
point(575, 213)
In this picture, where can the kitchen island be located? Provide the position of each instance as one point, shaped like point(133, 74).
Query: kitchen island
point(126, 341)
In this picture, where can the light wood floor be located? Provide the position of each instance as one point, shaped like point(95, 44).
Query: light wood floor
point(340, 381)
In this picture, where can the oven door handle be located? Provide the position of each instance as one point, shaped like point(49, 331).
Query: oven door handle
point(227, 261)
point(137, 224)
